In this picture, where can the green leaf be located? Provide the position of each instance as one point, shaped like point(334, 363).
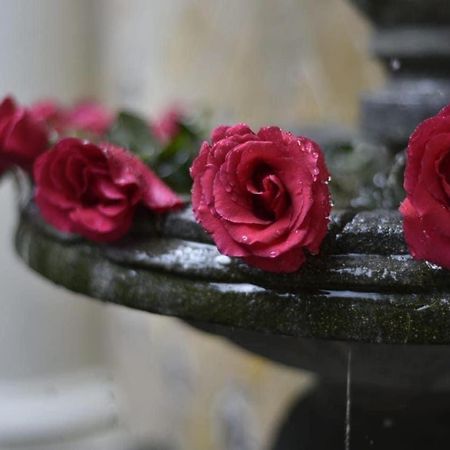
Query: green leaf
point(132, 132)
point(175, 159)
point(172, 161)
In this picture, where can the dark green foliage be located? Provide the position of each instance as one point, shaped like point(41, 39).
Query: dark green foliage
point(170, 161)
point(132, 132)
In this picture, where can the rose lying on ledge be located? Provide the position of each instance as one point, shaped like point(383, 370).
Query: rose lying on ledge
point(93, 190)
point(426, 209)
point(262, 196)
point(22, 136)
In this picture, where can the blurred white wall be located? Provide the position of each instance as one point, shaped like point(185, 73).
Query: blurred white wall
point(46, 48)
point(261, 61)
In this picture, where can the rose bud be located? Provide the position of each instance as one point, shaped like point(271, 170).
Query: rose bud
point(262, 196)
point(426, 209)
point(22, 137)
point(94, 190)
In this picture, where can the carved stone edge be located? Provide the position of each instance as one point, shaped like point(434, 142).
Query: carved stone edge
point(338, 315)
point(363, 252)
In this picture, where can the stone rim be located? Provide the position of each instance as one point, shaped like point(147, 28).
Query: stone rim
point(237, 296)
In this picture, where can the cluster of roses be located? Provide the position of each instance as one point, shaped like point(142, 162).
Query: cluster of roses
point(263, 196)
point(80, 186)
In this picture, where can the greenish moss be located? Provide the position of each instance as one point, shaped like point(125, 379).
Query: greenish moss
point(321, 301)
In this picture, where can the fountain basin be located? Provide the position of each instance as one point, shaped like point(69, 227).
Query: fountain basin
point(363, 292)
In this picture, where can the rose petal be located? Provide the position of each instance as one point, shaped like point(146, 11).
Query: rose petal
point(225, 243)
point(436, 148)
point(442, 167)
point(91, 223)
point(108, 190)
point(54, 215)
point(114, 209)
point(424, 242)
point(417, 147)
point(286, 263)
point(271, 134)
point(7, 107)
point(229, 207)
point(23, 139)
point(127, 169)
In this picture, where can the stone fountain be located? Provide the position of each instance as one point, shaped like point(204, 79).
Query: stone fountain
point(372, 323)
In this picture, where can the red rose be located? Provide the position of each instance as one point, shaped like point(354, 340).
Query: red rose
point(426, 209)
point(93, 190)
point(22, 137)
point(263, 197)
point(87, 116)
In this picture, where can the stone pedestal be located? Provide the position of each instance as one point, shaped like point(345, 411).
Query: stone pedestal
point(411, 39)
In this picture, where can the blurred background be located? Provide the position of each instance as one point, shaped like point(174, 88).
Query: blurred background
point(75, 374)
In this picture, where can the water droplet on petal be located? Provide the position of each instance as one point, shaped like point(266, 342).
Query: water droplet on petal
point(273, 254)
point(244, 238)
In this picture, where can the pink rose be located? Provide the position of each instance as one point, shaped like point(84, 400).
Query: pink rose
point(93, 190)
point(87, 116)
point(90, 116)
point(426, 209)
point(51, 113)
point(22, 137)
point(167, 125)
point(263, 197)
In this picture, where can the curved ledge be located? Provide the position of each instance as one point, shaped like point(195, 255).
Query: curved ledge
point(364, 287)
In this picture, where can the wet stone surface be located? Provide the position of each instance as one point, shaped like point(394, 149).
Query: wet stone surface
point(361, 288)
point(375, 232)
